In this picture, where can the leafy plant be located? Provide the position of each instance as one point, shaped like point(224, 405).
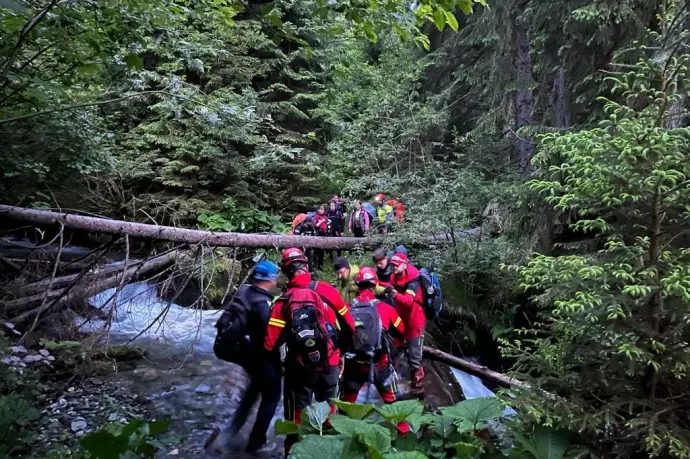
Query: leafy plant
point(370, 431)
point(135, 439)
point(609, 356)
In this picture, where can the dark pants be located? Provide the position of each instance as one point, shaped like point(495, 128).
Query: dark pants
point(300, 385)
point(265, 381)
point(356, 374)
point(357, 232)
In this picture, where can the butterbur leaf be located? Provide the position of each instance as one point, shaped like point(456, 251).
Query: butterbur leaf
point(444, 426)
point(158, 427)
point(544, 443)
point(285, 427)
point(318, 447)
point(347, 426)
point(104, 445)
point(354, 449)
point(354, 410)
point(406, 455)
point(400, 411)
point(470, 414)
point(317, 414)
point(376, 438)
point(407, 442)
point(464, 449)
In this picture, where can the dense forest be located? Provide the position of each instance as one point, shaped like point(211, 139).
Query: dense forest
point(556, 129)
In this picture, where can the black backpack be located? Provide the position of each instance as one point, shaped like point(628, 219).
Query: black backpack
point(368, 330)
point(431, 293)
point(308, 337)
point(232, 342)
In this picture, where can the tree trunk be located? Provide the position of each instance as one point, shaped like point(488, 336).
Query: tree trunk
point(189, 236)
point(134, 273)
point(472, 368)
point(524, 101)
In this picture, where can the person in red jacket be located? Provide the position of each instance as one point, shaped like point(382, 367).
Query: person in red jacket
point(357, 373)
point(405, 291)
point(301, 382)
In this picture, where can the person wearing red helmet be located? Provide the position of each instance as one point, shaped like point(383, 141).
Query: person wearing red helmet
point(358, 367)
point(335, 327)
point(405, 291)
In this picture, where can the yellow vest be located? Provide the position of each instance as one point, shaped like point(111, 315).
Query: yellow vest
point(347, 288)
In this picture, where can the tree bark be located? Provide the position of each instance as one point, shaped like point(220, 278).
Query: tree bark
point(472, 368)
point(524, 100)
point(189, 236)
point(134, 273)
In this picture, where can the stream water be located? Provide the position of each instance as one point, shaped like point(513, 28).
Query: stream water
point(180, 375)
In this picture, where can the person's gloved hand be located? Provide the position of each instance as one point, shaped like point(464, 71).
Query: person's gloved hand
point(390, 292)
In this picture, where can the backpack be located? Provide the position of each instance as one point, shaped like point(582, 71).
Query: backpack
point(371, 210)
point(398, 209)
point(368, 329)
point(308, 336)
point(431, 293)
point(232, 342)
point(296, 221)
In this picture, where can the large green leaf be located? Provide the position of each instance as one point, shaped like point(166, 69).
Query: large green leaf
point(406, 455)
point(318, 447)
point(355, 410)
point(315, 415)
point(348, 427)
point(544, 443)
point(443, 426)
point(439, 18)
point(471, 414)
point(376, 438)
point(400, 411)
point(104, 445)
point(285, 427)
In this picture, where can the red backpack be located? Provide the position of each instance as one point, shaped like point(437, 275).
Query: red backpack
point(398, 208)
point(308, 334)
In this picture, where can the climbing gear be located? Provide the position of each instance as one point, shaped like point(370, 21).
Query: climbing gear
point(368, 330)
point(366, 275)
point(266, 271)
point(307, 337)
point(232, 338)
point(292, 255)
point(431, 293)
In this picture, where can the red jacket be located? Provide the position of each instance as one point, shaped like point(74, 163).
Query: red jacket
point(337, 314)
point(321, 223)
point(408, 301)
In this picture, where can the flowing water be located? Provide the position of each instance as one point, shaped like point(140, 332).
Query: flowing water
point(182, 378)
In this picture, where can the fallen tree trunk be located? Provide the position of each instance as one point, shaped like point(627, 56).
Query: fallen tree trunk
point(131, 274)
point(189, 236)
point(472, 368)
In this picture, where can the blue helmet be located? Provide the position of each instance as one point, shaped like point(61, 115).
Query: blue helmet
point(266, 271)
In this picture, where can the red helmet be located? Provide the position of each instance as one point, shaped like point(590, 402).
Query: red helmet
point(292, 255)
point(366, 275)
point(380, 197)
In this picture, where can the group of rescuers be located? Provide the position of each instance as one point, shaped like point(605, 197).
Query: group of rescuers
point(328, 335)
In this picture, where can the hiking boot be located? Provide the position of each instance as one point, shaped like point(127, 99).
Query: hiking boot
point(417, 381)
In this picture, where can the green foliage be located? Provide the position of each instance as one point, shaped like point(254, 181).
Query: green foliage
point(136, 439)
point(611, 340)
point(359, 433)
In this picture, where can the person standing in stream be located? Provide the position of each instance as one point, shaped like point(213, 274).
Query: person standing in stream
point(316, 324)
point(263, 367)
point(406, 294)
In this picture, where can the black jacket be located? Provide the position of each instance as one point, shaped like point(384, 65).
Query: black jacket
point(260, 300)
point(304, 230)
